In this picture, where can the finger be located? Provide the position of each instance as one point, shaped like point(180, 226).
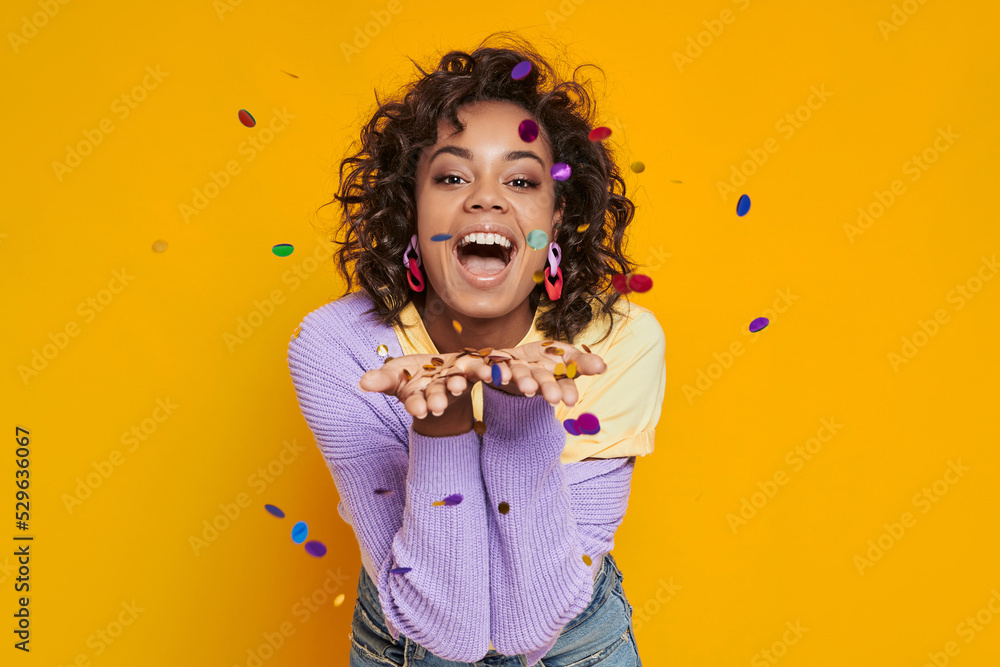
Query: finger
point(379, 379)
point(587, 364)
point(523, 380)
point(547, 385)
point(569, 392)
point(456, 384)
point(416, 405)
point(436, 398)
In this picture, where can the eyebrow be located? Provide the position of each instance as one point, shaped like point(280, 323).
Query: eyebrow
point(510, 156)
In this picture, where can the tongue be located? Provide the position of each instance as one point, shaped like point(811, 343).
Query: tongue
point(483, 266)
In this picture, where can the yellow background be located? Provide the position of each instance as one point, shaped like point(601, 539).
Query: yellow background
point(826, 356)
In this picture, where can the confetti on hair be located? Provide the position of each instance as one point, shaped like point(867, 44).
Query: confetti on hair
point(570, 426)
point(457, 325)
point(759, 324)
point(299, 532)
point(537, 239)
point(246, 118)
point(383, 350)
point(599, 133)
point(315, 548)
point(276, 511)
point(588, 424)
point(561, 171)
point(638, 167)
point(440, 237)
point(582, 228)
point(640, 283)
point(521, 70)
point(528, 130)
point(282, 249)
point(504, 508)
point(743, 205)
point(400, 570)
point(159, 246)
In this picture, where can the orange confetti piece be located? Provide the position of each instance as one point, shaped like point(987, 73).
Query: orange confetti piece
point(560, 369)
point(457, 325)
point(570, 370)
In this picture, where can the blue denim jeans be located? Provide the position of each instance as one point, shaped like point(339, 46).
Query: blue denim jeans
point(600, 635)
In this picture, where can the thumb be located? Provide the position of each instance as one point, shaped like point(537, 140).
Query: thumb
point(378, 379)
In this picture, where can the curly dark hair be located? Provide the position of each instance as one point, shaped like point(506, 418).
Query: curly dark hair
point(378, 195)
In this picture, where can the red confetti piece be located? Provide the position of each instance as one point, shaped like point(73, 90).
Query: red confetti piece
point(640, 283)
point(620, 283)
point(246, 118)
point(599, 133)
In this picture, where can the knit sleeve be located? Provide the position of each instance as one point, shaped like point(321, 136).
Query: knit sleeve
point(539, 580)
point(442, 602)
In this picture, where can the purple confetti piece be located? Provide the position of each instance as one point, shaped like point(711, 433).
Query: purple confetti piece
point(453, 499)
point(528, 130)
point(315, 548)
point(521, 70)
point(588, 424)
point(400, 570)
point(561, 171)
point(383, 492)
point(570, 426)
point(758, 324)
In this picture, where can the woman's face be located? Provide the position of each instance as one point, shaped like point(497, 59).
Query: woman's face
point(481, 180)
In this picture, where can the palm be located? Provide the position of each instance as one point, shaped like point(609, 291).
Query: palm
point(549, 367)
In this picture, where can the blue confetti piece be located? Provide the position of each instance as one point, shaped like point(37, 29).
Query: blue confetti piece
point(299, 532)
point(497, 375)
point(743, 205)
point(440, 237)
point(275, 511)
point(400, 570)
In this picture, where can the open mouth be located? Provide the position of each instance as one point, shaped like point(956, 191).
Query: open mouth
point(482, 259)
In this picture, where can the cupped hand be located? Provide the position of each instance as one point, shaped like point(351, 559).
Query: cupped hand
point(428, 382)
point(549, 367)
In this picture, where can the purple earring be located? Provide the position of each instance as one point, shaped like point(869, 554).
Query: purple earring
point(412, 265)
point(553, 278)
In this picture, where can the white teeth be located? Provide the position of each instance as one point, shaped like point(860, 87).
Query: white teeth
point(486, 239)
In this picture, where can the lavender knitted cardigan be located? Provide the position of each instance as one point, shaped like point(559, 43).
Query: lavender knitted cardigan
point(477, 574)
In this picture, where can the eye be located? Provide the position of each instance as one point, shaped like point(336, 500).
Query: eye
point(530, 184)
point(445, 177)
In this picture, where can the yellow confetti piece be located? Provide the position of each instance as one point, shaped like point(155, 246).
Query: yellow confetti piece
point(383, 350)
point(582, 228)
point(298, 330)
point(438, 503)
point(339, 600)
point(457, 325)
point(586, 559)
point(430, 367)
point(538, 276)
point(571, 370)
point(560, 369)
point(159, 246)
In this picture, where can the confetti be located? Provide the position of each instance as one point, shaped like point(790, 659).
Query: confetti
point(571, 370)
point(298, 330)
point(561, 171)
point(547, 343)
point(479, 427)
point(599, 133)
point(582, 228)
point(457, 325)
point(640, 283)
point(453, 499)
point(743, 205)
point(570, 426)
point(440, 237)
point(430, 367)
point(383, 350)
point(620, 283)
point(159, 246)
point(586, 559)
point(484, 351)
point(407, 375)
point(638, 167)
point(275, 511)
point(400, 570)
point(584, 346)
point(383, 492)
point(560, 369)
point(537, 239)
point(676, 181)
point(387, 360)
point(538, 277)
point(282, 249)
point(555, 350)
point(339, 600)
point(528, 130)
point(759, 324)
point(504, 508)
point(315, 548)
point(299, 532)
point(246, 118)
point(497, 375)
point(588, 424)
point(521, 70)
point(437, 361)
point(288, 73)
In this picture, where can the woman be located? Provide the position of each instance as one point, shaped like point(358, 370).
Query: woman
point(437, 391)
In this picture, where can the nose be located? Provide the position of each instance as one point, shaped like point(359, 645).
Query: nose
point(486, 195)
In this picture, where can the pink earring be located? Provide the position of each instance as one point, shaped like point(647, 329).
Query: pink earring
point(412, 265)
point(553, 278)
